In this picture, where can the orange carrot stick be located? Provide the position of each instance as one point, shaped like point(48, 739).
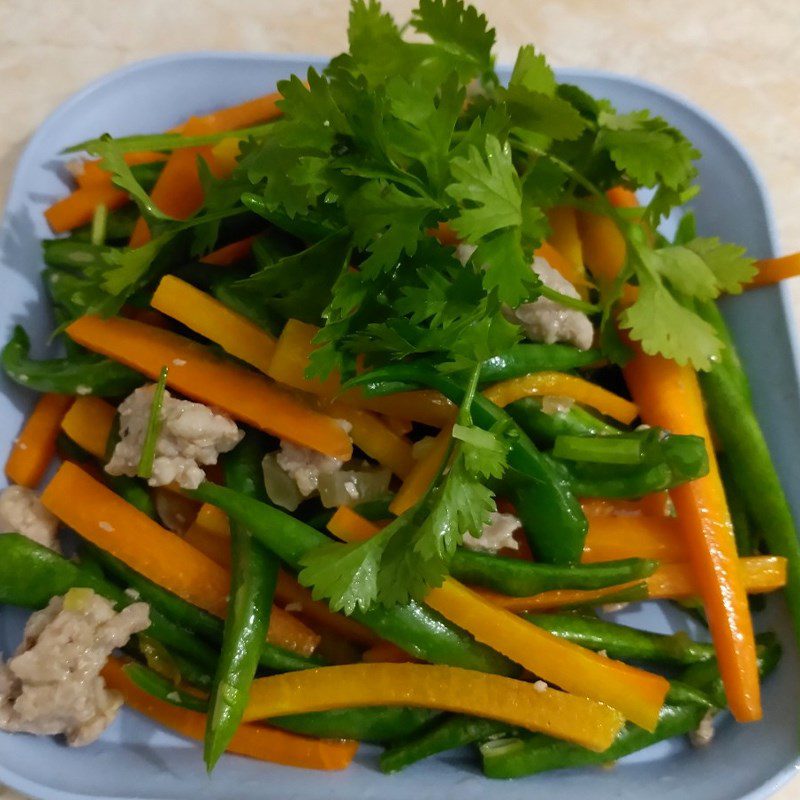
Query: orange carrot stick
point(669, 396)
point(255, 741)
point(205, 315)
point(772, 270)
point(350, 526)
point(230, 254)
point(78, 208)
point(562, 715)
point(422, 474)
point(88, 423)
point(614, 537)
point(108, 521)
point(243, 115)
point(35, 446)
point(197, 373)
point(563, 385)
point(90, 173)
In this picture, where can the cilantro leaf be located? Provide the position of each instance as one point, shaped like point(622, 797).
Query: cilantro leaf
point(728, 262)
point(532, 72)
point(540, 113)
point(686, 271)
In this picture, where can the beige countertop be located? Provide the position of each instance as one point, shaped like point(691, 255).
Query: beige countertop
point(740, 61)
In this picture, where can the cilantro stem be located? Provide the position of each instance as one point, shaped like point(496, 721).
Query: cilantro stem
point(145, 469)
point(569, 302)
point(99, 221)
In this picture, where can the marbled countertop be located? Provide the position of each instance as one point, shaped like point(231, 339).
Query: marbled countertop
point(740, 61)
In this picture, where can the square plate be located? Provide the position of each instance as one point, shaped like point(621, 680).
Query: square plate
point(135, 759)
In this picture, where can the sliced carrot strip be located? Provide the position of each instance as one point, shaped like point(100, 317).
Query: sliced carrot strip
point(226, 155)
point(622, 197)
point(197, 373)
point(637, 694)
point(562, 715)
point(611, 507)
point(350, 526)
point(255, 741)
point(422, 474)
point(78, 208)
point(205, 315)
point(563, 385)
point(386, 652)
point(213, 520)
point(611, 538)
point(669, 396)
point(108, 521)
point(88, 423)
point(35, 446)
point(291, 358)
point(773, 270)
point(243, 115)
point(563, 249)
point(230, 254)
point(217, 548)
point(92, 174)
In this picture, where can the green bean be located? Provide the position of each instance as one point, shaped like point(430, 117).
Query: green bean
point(522, 359)
point(119, 225)
point(162, 688)
point(254, 573)
point(272, 659)
point(541, 493)
point(454, 731)
point(78, 374)
point(623, 642)
point(414, 627)
point(543, 427)
point(746, 539)
point(519, 578)
point(753, 474)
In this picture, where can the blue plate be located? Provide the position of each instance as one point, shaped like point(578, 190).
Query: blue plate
point(136, 759)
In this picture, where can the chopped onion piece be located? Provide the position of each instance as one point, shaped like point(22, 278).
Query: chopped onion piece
point(281, 488)
point(348, 487)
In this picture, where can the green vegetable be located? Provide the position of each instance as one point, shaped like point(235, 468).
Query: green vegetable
point(154, 422)
point(623, 642)
point(415, 628)
point(31, 574)
point(98, 234)
point(619, 449)
point(522, 359)
point(544, 427)
point(78, 374)
point(254, 573)
point(541, 493)
point(455, 731)
point(752, 472)
point(162, 688)
point(520, 578)
point(746, 538)
point(201, 623)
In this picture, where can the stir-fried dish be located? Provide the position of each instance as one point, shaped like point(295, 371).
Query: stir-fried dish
point(379, 396)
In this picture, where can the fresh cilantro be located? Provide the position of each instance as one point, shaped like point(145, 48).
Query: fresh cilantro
point(154, 423)
point(532, 72)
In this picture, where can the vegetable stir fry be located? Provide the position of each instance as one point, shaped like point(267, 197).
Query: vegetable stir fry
point(377, 395)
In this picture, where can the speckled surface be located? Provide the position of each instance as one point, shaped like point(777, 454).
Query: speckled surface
point(740, 61)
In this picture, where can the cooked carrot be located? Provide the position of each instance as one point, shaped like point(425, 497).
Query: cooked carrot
point(212, 520)
point(611, 507)
point(370, 434)
point(386, 652)
point(614, 537)
point(226, 155)
point(88, 423)
point(760, 575)
point(773, 270)
point(198, 373)
point(563, 249)
point(243, 115)
point(90, 173)
point(622, 197)
point(109, 522)
point(559, 714)
point(637, 694)
point(230, 254)
point(217, 548)
point(255, 741)
point(350, 526)
point(563, 385)
point(291, 358)
point(669, 396)
point(205, 315)
point(35, 446)
point(422, 474)
point(78, 208)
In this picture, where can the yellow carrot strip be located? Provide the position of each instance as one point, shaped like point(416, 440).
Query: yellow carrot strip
point(109, 522)
point(558, 714)
point(88, 423)
point(255, 741)
point(636, 693)
point(565, 240)
point(350, 526)
point(291, 358)
point(615, 537)
point(213, 521)
point(35, 445)
point(78, 208)
point(374, 437)
point(669, 396)
point(205, 315)
point(226, 155)
point(563, 385)
point(217, 548)
point(773, 270)
point(199, 374)
point(230, 254)
point(422, 474)
point(760, 575)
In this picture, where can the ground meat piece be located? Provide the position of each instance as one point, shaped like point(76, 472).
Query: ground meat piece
point(497, 534)
point(21, 511)
point(52, 685)
point(547, 321)
point(705, 731)
point(191, 435)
